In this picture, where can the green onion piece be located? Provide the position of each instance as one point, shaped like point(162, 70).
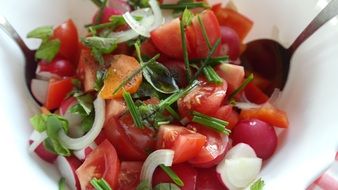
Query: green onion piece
point(174, 97)
point(137, 46)
point(172, 175)
point(134, 112)
point(204, 32)
point(211, 75)
point(185, 51)
point(184, 5)
point(257, 185)
point(132, 75)
point(100, 184)
point(214, 60)
point(206, 61)
point(62, 184)
point(173, 113)
point(240, 88)
point(212, 122)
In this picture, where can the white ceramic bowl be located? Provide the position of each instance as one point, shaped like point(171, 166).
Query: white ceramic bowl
point(310, 96)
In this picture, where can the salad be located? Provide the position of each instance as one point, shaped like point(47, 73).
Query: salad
point(153, 97)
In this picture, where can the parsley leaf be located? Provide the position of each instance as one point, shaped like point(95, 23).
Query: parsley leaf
point(39, 122)
point(99, 81)
point(48, 50)
point(42, 33)
point(258, 185)
point(136, 4)
point(100, 46)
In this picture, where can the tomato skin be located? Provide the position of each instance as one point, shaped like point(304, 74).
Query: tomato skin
point(207, 180)
point(59, 66)
point(268, 114)
point(214, 149)
point(129, 176)
point(131, 143)
point(68, 36)
point(167, 39)
point(204, 94)
point(254, 94)
point(184, 171)
point(57, 91)
point(102, 162)
point(185, 143)
point(227, 113)
point(213, 30)
point(86, 70)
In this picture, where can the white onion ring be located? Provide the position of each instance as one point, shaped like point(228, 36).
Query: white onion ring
point(156, 158)
point(89, 137)
point(157, 12)
point(136, 26)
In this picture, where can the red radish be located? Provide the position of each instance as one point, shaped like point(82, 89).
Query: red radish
point(240, 167)
point(207, 179)
point(44, 75)
point(74, 119)
point(58, 66)
point(258, 134)
point(67, 167)
point(240, 172)
point(83, 153)
point(233, 74)
point(39, 89)
point(36, 144)
point(107, 13)
point(120, 5)
point(241, 150)
point(231, 44)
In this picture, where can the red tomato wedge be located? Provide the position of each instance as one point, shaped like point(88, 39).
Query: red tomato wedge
point(186, 143)
point(213, 30)
point(129, 176)
point(228, 17)
point(100, 163)
point(267, 113)
point(254, 94)
point(204, 94)
point(131, 143)
point(167, 38)
point(86, 70)
point(213, 150)
point(57, 91)
point(68, 36)
point(184, 171)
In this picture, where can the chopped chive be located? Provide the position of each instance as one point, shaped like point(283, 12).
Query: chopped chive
point(96, 184)
point(185, 51)
point(212, 122)
point(211, 75)
point(174, 97)
point(173, 113)
point(132, 75)
point(62, 184)
point(206, 61)
point(181, 6)
point(138, 51)
point(100, 184)
point(212, 59)
point(159, 123)
point(172, 175)
point(104, 184)
point(241, 87)
point(134, 112)
point(204, 32)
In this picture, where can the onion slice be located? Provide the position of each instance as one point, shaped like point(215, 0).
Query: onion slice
point(156, 158)
point(37, 138)
point(241, 150)
point(136, 26)
point(157, 12)
point(89, 137)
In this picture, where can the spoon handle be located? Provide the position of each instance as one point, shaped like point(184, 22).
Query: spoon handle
point(330, 11)
point(8, 28)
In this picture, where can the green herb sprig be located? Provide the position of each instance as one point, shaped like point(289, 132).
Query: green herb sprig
point(241, 87)
point(211, 122)
point(173, 176)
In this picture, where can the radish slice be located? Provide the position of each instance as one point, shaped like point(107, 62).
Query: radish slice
point(36, 138)
point(39, 89)
point(240, 172)
point(44, 75)
point(89, 137)
point(83, 153)
point(74, 120)
point(241, 150)
point(67, 167)
point(162, 156)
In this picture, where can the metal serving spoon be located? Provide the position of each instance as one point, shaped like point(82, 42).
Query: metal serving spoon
point(271, 60)
point(30, 63)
